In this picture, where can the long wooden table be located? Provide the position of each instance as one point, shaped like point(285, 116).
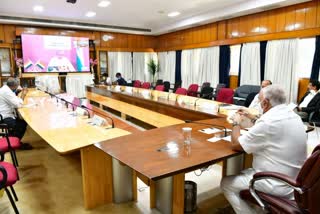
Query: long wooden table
point(67, 133)
point(140, 152)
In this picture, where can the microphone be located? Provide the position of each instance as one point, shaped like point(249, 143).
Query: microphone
point(85, 107)
point(67, 103)
point(209, 124)
point(168, 95)
point(87, 110)
point(195, 101)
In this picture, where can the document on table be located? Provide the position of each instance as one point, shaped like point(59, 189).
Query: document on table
point(213, 130)
point(215, 139)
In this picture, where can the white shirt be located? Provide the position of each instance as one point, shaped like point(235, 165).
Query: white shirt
point(278, 142)
point(8, 102)
point(307, 99)
point(255, 104)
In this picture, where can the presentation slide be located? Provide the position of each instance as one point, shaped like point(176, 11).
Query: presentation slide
point(42, 53)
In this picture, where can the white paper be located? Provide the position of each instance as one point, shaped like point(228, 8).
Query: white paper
point(210, 130)
point(29, 105)
point(214, 139)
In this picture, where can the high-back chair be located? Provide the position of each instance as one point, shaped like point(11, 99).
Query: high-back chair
point(306, 188)
point(182, 91)
point(146, 85)
point(166, 86)
point(205, 84)
point(193, 90)
point(177, 85)
point(8, 177)
point(206, 93)
point(225, 95)
point(9, 144)
point(217, 89)
point(159, 88)
point(137, 84)
point(76, 102)
point(159, 82)
point(89, 107)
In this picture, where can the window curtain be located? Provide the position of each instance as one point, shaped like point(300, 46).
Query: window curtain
point(139, 66)
point(224, 64)
point(178, 66)
point(120, 62)
point(200, 65)
point(250, 64)
point(306, 54)
point(167, 62)
point(281, 66)
point(239, 73)
point(316, 61)
point(263, 49)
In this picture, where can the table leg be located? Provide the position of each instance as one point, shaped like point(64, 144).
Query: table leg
point(97, 179)
point(178, 194)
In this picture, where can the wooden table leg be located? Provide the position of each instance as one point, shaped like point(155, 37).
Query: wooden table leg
point(96, 177)
point(134, 186)
point(178, 194)
point(152, 194)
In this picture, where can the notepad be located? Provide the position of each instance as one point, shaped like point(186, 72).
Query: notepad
point(215, 139)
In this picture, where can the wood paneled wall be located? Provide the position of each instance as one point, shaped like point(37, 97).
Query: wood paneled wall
point(301, 20)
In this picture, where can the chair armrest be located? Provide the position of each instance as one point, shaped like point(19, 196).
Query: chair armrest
point(276, 176)
point(273, 176)
point(239, 98)
point(4, 177)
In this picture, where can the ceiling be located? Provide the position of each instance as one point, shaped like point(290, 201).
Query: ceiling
point(131, 16)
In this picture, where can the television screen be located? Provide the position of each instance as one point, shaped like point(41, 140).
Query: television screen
point(42, 53)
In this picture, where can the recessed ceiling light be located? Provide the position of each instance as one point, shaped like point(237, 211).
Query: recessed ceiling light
point(173, 14)
point(104, 3)
point(90, 14)
point(38, 8)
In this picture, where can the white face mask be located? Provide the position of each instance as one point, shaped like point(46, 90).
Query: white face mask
point(313, 92)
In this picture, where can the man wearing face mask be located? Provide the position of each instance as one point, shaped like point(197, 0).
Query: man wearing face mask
point(277, 141)
point(310, 102)
point(9, 102)
point(120, 79)
point(255, 104)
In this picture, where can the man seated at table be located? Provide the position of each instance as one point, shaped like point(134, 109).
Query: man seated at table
point(310, 102)
point(9, 102)
point(255, 104)
point(120, 80)
point(277, 141)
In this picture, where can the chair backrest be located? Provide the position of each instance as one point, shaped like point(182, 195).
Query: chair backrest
point(219, 86)
point(192, 90)
point(76, 102)
point(146, 85)
point(177, 85)
point(182, 91)
point(159, 82)
point(137, 84)
point(159, 88)
point(225, 95)
point(249, 99)
point(89, 106)
point(244, 90)
point(166, 86)
point(309, 179)
point(206, 93)
point(205, 84)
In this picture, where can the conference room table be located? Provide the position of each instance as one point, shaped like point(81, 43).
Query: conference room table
point(159, 154)
point(67, 133)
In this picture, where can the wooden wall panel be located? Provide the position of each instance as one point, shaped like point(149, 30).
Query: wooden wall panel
point(222, 30)
point(233, 82)
point(303, 87)
point(300, 17)
point(9, 33)
point(2, 33)
point(290, 18)
point(311, 14)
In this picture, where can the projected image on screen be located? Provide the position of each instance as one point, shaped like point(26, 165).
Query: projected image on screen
point(55, 53)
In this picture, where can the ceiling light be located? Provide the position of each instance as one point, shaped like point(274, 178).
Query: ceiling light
point(173, 14)
point(90, 14)
point(104, 3)
point(38, 8)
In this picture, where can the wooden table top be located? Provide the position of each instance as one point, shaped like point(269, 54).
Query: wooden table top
point(59, 128)
point(142, 152)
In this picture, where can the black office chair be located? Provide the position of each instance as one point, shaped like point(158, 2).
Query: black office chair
point(166, 86)
point(206, 93)
point(249, 99)
point(177, 85)
point(159, 82)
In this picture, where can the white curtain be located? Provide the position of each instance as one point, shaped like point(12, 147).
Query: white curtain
point(306, 51)
point(200, 65)
point(76, 84)
point(250, 64)
point(120, 62)
point(167, 62)
point(281, 65)
point(234, 59)
point(139, 66)
point(48, 83)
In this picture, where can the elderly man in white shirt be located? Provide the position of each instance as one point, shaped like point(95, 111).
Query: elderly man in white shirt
point(277, 141)
point(255, 104)
point(9, 101)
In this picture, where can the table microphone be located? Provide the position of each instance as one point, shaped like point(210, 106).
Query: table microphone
point(87, 109)
point(209, 124)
